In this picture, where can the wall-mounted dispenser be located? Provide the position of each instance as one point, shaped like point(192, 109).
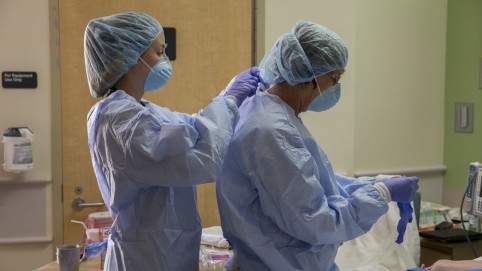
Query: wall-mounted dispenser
point(17, 149)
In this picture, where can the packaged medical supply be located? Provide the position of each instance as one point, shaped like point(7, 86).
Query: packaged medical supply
point(214, 258)
point(432, 214)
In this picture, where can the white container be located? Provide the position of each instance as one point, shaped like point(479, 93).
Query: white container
point(17, 149)
point(93, 235)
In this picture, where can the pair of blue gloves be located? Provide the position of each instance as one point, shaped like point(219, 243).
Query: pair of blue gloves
point(402, 190)
point(244, 85)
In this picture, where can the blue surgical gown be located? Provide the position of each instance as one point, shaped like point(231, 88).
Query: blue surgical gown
point(147, 160)
point(282, 206)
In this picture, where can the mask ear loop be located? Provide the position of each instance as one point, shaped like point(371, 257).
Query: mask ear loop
point(145, 63)
point(316, 85)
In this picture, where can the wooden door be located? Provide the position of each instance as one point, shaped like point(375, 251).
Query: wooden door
point(214, 42)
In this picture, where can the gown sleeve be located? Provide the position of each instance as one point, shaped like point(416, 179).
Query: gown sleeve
point(183, 153)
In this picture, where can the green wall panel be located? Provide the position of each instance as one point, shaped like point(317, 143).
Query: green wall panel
point(464, 51)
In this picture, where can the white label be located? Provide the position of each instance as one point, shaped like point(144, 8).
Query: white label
point(22, 154)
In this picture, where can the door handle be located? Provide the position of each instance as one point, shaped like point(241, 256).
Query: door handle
point(79, 204)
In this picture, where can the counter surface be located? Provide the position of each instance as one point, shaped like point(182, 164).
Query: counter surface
point(94, 264)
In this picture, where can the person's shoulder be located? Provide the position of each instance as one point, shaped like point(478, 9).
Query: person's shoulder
point(265, 115)
point(273, 107)
point(119, 106)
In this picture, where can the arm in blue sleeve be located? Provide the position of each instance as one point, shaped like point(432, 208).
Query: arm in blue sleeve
point(348, 188)
point(187, 154)
point(293, 196)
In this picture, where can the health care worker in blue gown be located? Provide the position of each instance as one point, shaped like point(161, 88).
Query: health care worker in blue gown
point(148, 159)
point(282, 206)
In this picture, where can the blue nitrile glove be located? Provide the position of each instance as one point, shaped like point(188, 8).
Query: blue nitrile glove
point(402, 189)
point(93, 250)
point(261, 81)
point(406, 217)
point(243, 85)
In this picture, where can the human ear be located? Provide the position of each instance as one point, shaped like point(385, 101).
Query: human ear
point(314, 82)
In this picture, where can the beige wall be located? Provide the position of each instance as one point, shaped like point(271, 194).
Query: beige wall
point(25, 46)
point(390, 116)
point(400, 85)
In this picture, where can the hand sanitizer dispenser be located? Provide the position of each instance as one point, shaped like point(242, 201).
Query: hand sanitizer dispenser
point(17, 149)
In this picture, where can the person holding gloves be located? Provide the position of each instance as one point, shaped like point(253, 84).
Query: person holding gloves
point(282, 206)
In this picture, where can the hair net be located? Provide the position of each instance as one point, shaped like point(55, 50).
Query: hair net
point(309, 50)
point(113, 44)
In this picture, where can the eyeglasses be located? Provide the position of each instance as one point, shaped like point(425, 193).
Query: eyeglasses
point(335, 78)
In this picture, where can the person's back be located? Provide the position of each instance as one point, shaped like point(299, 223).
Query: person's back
point(254, 196)
point(282, 206)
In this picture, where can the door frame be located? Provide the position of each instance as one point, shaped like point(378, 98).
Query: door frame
point(56, 125)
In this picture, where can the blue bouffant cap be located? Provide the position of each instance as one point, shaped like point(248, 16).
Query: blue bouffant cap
point(309, 50)
point(113, 44)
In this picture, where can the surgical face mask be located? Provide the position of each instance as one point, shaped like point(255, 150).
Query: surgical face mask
point(159, 74)
point(327, 99)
